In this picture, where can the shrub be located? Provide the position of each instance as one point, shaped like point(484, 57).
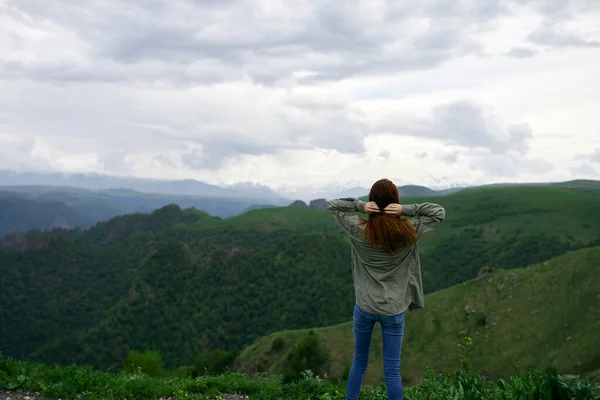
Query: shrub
point(480, 319)
point(149, 362)
point(182, 372)
point(306, 355)
point(213, 362)
point(278, 343)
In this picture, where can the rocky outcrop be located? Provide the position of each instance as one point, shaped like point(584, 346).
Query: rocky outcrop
point(298, 203)
point(318, 204)
point(483, 272)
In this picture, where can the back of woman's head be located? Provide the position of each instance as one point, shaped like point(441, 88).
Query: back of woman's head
point(387, 230)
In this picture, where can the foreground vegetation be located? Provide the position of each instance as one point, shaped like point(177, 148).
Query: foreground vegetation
point(85, 383)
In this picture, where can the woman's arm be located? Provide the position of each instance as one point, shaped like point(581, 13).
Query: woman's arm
point(346, 205)
point(428, 215)
point(341, 209)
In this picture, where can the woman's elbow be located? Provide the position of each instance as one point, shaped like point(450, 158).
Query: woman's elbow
point(441, 214)
point(330, 205)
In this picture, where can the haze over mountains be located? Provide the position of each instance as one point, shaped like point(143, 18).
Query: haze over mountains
point(188, 187)
point(56, 200)
point(91, 198)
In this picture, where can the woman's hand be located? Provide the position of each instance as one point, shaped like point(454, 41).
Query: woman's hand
point(371, 208)
point(394, 208)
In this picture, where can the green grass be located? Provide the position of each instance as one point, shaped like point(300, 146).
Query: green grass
point(85, 383)
point(544, 316)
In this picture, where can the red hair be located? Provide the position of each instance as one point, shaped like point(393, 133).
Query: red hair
point(390, 231)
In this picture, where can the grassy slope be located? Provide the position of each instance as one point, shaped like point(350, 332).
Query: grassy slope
point(498, 210)
point(547, 315)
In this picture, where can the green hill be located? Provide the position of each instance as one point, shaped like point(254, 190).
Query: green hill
point(543, 316)
point(182, 282)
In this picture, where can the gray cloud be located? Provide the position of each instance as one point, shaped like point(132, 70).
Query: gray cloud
point(511, 166)
point(185, 41)
point(559, 9)
point(74, 75)
point(450, 158)
point(465, 124)
point(593, 157)
point(200, 129)
point(521, 52)
point(550, 33)
point(216, 150)
point(585, 170)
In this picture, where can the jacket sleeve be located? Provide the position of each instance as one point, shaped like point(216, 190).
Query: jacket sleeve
point(342, 209)
point(426, 216)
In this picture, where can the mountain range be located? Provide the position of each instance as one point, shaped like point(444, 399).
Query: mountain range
point(89, 198)
point(186, 187)
point(54, 200)
point(86, 206)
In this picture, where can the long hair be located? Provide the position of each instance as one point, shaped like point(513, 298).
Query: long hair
point(389, 231)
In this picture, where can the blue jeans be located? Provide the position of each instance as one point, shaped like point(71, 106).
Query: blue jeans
point(392, 330)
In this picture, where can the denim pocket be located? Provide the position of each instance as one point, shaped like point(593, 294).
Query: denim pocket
point(397, 320)
point(364, 314)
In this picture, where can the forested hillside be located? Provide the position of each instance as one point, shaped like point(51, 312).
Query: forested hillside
point(182, 282)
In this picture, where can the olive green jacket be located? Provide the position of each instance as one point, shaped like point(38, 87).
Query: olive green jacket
point(386, 284)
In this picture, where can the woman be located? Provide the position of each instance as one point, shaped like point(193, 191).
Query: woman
point(386, 272)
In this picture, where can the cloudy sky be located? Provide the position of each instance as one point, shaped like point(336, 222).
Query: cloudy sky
point(303, 93)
